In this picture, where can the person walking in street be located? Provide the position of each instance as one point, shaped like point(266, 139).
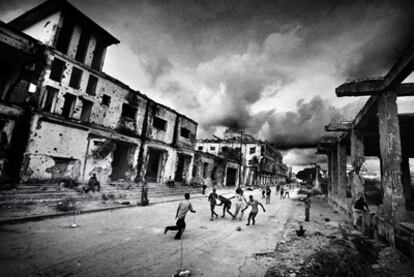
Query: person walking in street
point(359, 207)
point(182, 210)
point(254, 211)
point(226, 205)
point(307, 202)
point(282, 192)
point(286, 193)
point(268, 193)
point(239, 203)
point(212, 199)
point(204, 186)
point(144, 191)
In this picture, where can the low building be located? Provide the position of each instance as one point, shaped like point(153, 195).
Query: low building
point(260, 162)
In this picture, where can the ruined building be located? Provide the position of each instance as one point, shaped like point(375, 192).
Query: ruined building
point(379, 130)
point(61, 117)
point(260, 162)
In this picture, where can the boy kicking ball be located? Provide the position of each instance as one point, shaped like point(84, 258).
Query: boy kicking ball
point(255, 210)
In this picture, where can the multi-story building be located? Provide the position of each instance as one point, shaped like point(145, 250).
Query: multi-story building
point(260, 162)
point(73, 119)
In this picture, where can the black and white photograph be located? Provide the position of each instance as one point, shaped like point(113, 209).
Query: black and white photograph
point(207, 138)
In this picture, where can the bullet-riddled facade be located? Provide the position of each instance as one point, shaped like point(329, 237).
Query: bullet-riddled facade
point(82, 121)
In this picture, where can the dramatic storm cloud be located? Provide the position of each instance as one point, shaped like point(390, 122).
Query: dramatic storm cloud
point(268, 67)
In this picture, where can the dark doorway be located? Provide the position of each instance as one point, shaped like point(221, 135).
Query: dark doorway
point(154, 165)
point(120, 165)
point(231, 177)
point(182, 166)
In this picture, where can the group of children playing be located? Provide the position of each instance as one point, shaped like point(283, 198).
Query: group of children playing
point(241, 204)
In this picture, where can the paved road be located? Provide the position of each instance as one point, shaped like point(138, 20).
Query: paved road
point(131, 242)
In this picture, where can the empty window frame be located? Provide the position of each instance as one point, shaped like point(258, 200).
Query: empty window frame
point(58, 66)
point(91, 87)
point(82, 46)
point(75, 78)
point(86, 110)
point(128, 111)
point(48, 99)
point(69, 105)
point(159, 123)
point(212, 148)
point(106, 100)
point(200, 148)
point(185, 133)
point(64, 36)
point(252, 150)
point(98, 54)
point(224, 149)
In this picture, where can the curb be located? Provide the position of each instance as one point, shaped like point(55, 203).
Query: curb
point(18, 220)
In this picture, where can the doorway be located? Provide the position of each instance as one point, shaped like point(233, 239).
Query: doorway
point(182, 167)
point(231, 177)
point(120, 165)
point(154, 167)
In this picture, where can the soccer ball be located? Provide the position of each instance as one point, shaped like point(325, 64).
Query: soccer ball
point(238, 228)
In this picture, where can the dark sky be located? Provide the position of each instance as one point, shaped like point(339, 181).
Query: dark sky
point(268, 67)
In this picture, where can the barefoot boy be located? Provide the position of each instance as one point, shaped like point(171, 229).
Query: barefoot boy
point(255, 210)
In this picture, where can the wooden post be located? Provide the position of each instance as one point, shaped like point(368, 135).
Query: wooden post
point(390, 149)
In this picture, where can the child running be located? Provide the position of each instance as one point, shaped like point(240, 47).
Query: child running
point(255, 210)
point(212, 198)
point(226, 205)
point(239, 203)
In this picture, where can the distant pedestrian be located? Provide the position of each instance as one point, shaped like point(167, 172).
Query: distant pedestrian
point(255, 210)
point(226, 205)
point(144, 191)
point(282, 192)
point(212, 199)
point(287, 193)
point(263, 192)
point(307, 207)
point(277, 189)
point(182, 210)
point(359, 207)
point(204, 187)
point(268, 193)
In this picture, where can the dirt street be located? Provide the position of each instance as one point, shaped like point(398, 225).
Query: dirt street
point(131, 242)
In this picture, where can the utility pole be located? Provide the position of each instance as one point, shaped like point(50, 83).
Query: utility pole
point(241, 158)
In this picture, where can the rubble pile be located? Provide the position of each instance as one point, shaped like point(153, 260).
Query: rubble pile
point(331, 247)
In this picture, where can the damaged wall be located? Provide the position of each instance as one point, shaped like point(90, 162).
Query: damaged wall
point(54, 151)
point(161, 123)
point(45, 30)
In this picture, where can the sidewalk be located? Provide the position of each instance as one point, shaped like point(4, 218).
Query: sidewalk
point(87, 203)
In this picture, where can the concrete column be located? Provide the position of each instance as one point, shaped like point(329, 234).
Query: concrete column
point(390, 149)
point(357, 159)
point(329, 174)
point(334, 158)
point(342, 180)
point(406, 181)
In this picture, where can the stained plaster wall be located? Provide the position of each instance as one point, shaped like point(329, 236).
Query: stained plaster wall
point(49, 143)
point(165, 136)
point(190, 125)
point(107, 116)
point(200, 159)
point(45, 30)
point(100, 163)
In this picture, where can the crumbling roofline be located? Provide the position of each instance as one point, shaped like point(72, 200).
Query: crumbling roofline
point(116, 81)
point(51, 6)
